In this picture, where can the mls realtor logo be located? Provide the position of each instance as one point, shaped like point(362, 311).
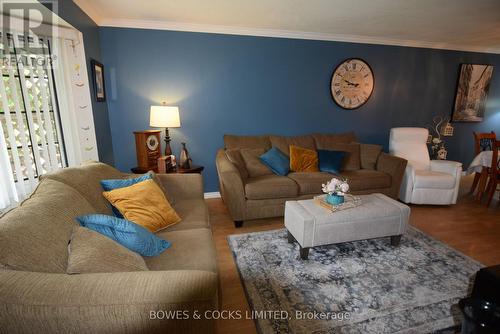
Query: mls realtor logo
point(27, 31)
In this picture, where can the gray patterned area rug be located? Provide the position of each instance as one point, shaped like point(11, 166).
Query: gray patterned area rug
point(412, 288)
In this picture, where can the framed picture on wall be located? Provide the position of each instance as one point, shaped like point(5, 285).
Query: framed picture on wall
point(472, 91)
point(98, 79)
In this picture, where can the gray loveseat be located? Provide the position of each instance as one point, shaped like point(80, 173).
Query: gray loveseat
point(37, 296)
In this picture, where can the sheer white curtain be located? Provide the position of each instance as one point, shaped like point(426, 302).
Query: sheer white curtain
point(32, 142)
point(8, 193)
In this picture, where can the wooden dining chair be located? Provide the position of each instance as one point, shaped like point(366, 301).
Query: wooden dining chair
point(482, 142)
point(494, 173)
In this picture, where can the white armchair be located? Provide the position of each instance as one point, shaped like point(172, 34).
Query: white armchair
point(425, 181)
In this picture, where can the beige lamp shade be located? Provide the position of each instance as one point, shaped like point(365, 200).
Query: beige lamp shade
point(164, 117)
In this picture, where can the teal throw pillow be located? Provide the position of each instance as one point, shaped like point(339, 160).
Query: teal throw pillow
point(331, 161)
point(126, 233)
point(112, 184)
point(277, 161)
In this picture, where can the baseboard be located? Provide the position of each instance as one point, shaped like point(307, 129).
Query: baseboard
point(213, 194)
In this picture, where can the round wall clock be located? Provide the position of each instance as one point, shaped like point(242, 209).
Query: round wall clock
point(352, 83)
point(152, 142)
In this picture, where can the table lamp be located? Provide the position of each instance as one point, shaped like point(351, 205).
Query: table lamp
point(165, 117)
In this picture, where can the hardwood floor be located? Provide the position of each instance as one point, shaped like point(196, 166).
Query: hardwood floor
point(469, 227)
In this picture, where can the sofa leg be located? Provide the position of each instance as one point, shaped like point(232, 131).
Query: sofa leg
point(290, 237)
point(395, 240)
point(238, 223)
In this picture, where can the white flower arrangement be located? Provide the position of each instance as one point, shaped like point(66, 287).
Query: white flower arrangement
point(336, 186)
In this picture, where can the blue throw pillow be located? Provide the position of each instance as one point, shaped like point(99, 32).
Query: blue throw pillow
point(109, 185)
point(130, 235)
point(331, 161)
point(277, 161)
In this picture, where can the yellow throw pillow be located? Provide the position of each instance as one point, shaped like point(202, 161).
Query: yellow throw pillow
point(303, 159)
point(145, 204)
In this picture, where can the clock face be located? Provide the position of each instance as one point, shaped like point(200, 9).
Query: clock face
point(152, 142)
point(352, 83)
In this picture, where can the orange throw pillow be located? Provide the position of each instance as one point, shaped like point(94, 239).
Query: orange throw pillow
point(303, 159)
point(145, 204)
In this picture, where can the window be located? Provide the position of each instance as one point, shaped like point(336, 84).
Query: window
point(46, 118)
point(29, 114)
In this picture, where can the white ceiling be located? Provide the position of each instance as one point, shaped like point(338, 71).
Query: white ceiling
point(470, 25)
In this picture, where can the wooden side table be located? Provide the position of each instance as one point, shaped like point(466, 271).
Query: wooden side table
point(193, 170)
point(140, 170)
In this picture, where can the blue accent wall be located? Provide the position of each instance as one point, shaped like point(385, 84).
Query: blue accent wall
point(257, 85)
point(72, 14)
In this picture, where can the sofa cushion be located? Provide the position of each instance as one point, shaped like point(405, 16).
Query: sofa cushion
point(193, 213)
point(112, 184)
point(86, 180)
point(303, 159)
point(365, 179)
point(276, 160)
point(331, 161)
point(145, 204)
point(433, 180)
point(270, 186)
point(323, 141)
point(152, 175)
point(254, 166)
point(234, 155)
point(35, 235)
point(128, 234)
point(190, 250)
point(369, 155)
point(310, 183)
point(283, 143)
point(352, 161)
point(235, 142)
point(92, 252)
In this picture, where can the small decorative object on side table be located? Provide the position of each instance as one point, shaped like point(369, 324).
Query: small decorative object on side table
point(167, 165)
point(147, 146)
point(184, 159)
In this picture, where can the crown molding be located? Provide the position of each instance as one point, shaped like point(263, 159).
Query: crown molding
point(233, 30)
point(90, 10)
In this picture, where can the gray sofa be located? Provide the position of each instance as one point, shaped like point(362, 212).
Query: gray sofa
point(37, 296)
point(252, 191)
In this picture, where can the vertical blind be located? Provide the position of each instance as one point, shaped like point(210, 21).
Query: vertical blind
point(31, 140)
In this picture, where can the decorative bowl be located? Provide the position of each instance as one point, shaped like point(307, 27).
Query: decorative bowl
point(334, 199)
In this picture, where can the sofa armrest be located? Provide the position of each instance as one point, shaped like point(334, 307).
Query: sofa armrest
point(445, 166)
point(105, 302)
point(450, 167)
point(182, 186)
point(395, 167)
point(231, 186)
point(407, 185)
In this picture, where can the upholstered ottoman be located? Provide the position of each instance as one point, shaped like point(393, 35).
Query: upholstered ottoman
point(313, 225)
